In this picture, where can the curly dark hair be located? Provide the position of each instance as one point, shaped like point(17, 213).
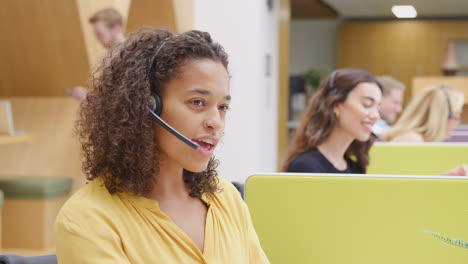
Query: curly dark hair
point(319, 120)
point(117, 136)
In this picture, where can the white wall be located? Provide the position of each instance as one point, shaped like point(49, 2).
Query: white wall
point(248, 32)
point(313, 45)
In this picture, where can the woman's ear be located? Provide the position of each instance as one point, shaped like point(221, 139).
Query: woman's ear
point(337, 109)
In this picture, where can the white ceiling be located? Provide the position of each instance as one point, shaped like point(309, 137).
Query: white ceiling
point(382, 8)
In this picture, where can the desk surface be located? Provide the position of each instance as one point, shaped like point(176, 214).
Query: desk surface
point(5, 139)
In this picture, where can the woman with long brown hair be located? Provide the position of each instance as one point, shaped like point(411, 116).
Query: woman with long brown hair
point(334, 135)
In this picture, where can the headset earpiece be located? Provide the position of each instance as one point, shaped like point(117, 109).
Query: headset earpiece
point(155, 113)
point(157, 104)
point(331, 83)
point(444, 89)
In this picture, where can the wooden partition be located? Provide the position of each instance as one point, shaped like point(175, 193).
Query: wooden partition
point(42, 49)
point(283, 77)
point(176, 15)
point(48, 46)
point(461, 83)
point(20, 232)
point(54, 151)
point(403, 49)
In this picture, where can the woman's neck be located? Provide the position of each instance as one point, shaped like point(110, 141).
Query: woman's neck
point(335, 146)
point(169, 182)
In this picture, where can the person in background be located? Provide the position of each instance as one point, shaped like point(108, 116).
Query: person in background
point(334, 135)
point(431, 116)
point(152, 196)
point(108, 29)
point(392, 101)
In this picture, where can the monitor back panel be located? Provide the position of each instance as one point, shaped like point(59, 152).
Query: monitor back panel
point(306, 218)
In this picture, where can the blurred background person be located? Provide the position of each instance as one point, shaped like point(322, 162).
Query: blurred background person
point(430, 116)
point(108, 28)
point(334, 135)
point(392, 101)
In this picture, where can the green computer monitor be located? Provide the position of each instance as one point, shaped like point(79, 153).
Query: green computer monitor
point(360, 219)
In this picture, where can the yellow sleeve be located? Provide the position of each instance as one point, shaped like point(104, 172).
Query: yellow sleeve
point(87, 239)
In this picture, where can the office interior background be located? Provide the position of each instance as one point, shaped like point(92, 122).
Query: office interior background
point(48, 46)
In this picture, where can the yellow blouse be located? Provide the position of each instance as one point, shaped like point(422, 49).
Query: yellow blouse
point(96, 227)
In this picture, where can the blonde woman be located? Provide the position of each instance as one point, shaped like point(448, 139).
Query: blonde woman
point(430, 117)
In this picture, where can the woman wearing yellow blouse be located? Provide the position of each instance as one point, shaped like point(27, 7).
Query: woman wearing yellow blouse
point(154, 195)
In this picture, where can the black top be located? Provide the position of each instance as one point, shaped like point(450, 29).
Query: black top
point(313, 161)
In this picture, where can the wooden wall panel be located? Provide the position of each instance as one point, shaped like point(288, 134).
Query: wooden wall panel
point(311, 9)
point(175, 15)
point(86, 9)
point(183, 10)
point(29, 224)
point(461, 83)
point(42, 49)
point(403, 49)
point(159, 13)
point(54, 151)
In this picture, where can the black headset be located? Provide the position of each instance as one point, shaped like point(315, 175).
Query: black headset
point(331, 82)
point(158, 105)
point(444, 89)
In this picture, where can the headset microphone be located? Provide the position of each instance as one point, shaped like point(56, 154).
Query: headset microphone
point(155, 114)
point(171, 130)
